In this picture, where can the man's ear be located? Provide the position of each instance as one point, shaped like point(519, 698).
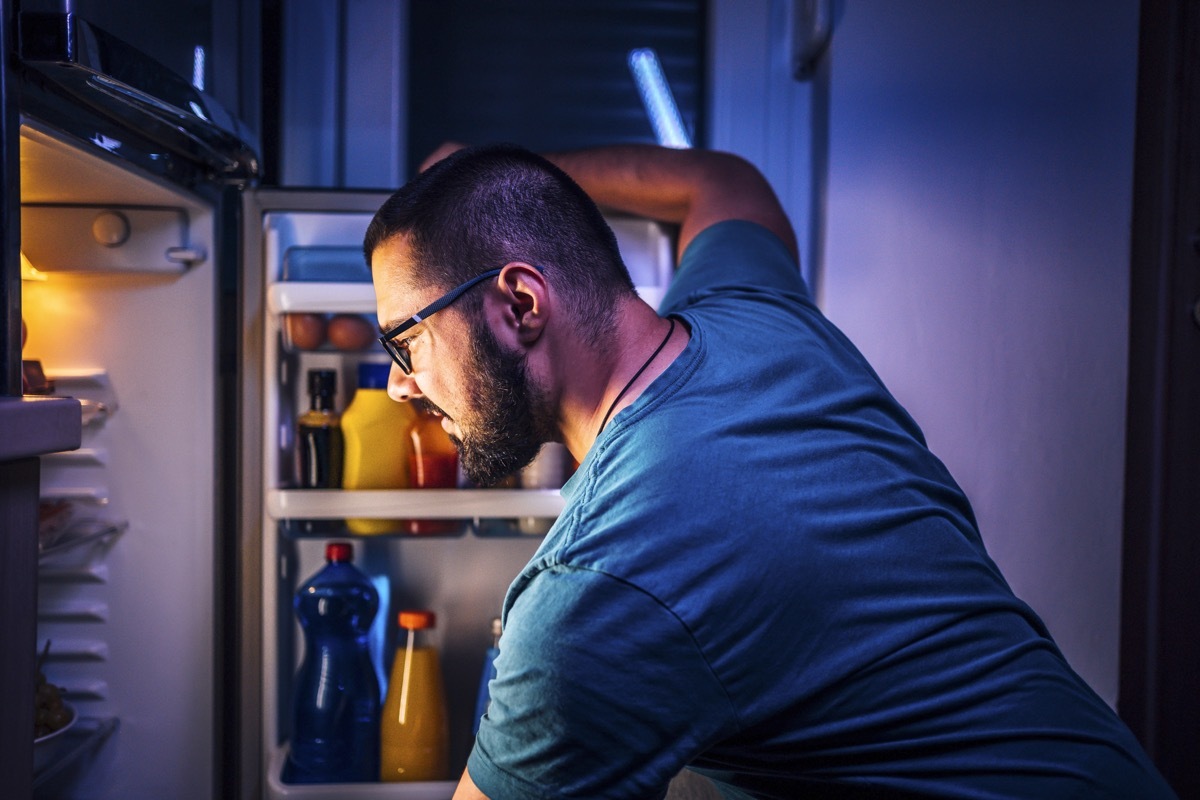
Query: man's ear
point(521, 304)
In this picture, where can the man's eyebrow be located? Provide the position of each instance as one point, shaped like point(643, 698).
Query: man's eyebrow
point(395, 323)
point(384, 327)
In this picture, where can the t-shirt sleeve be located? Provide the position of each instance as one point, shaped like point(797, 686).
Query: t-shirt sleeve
point(734, 256)
point(576, 710)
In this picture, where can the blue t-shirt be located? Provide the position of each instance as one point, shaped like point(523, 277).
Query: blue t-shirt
point(762, 573)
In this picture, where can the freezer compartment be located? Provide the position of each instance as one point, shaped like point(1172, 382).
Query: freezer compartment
point(463, 581)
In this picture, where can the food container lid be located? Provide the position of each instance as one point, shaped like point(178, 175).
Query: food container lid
point(417, 619)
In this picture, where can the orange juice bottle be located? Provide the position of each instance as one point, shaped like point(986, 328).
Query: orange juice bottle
point(414, 734)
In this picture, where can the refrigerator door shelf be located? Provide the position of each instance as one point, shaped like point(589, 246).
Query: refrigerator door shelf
point(334, 298)
point(417, 503)
point(32, 426)
point(108, 239)
point(422, 790)
point(76, 534)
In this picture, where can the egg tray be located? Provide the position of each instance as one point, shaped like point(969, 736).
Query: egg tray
point(346, 333)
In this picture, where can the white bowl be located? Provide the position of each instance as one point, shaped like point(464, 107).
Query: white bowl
point(47, 748)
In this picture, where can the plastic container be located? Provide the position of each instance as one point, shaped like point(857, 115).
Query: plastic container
point(335, 703)
point(319, 444)
point(377, 444)
point(433, 464)
point(414, 732)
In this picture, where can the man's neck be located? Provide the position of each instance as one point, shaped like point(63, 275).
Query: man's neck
point(592, 379)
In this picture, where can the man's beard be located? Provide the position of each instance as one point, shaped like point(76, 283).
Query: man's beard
point(509, 418)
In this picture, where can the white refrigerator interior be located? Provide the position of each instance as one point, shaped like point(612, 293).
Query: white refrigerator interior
point(461, 574)
point(130, 332)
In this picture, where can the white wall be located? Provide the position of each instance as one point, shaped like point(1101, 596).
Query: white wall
point(976, 248)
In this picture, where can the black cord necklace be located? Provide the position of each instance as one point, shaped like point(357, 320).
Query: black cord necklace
point(636, 375)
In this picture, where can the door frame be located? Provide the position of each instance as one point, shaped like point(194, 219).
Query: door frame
point(1160, 648)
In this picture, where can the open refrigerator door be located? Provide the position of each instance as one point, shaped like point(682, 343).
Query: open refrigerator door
point(126, 574)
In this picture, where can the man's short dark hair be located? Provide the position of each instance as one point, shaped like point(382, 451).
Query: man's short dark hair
point(483, 207)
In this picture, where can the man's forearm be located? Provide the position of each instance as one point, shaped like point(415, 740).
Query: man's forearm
point(467, 790)
point(693, 188)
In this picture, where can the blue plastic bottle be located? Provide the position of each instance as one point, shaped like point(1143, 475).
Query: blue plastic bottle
point(335, 719)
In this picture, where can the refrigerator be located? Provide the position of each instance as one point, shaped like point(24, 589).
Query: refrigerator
point(157, 283)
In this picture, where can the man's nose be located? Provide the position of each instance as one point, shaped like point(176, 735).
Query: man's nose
point(401, 387)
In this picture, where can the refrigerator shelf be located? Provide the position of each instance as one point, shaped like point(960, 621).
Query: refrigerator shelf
point(306, 296)
point(81, 384)
point(79, 533)
point(415, 503)
point(423, 790)
point(359, 298)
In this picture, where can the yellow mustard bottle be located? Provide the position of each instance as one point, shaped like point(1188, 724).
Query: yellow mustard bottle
point(376, 443)
point(414, 735)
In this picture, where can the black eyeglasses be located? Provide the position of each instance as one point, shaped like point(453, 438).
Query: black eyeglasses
point(399, 350)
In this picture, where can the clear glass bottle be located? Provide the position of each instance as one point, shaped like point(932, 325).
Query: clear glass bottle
point(319, 444)
point(413, 730)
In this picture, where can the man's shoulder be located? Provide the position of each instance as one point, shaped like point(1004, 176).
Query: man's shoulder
point(732, 255)
point(738, 233)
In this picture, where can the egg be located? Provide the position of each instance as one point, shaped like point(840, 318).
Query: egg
point(305, 331)
point(350, 332)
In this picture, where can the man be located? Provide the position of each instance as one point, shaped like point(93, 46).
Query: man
point(761, 572)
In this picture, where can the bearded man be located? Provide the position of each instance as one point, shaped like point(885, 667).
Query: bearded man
point(761, 573)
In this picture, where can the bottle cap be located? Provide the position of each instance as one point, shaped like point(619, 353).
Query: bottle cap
point(322, 381)
point(339, 551)
point(417, 619)
point(372, 375)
